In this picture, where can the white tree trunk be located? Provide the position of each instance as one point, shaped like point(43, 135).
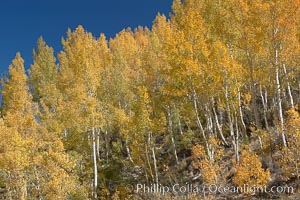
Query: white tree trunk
point(240, 110)
point(98, 144)
point(180, 127)
point(147, 155)
point(288, 86)
point(128, 151)
point(237, 150)
point(232, 134)
point(95, 163)
point(200, 125)
point(106, 146)
point(65, 133)
point(219, 127)
point(172, 135)
point(209, 122)
point(279, 98)
point(155, 165)
point(264, 107)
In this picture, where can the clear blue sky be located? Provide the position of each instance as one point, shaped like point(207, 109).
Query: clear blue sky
point(23, 21)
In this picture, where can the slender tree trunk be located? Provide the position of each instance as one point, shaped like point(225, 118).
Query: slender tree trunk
point(146, 174)
point(256, 114)
point(279, 101)
point(65, 133)
point(234, 136)
point(178, 121)
point(106, 146)
point(98, 145)
point(95, 163)
point(200, 124)
point(128, 151)
point(209, 120)
point(155, 164)
point(297, 168)
point(147, 155)
point(180, 127)
point(237, 150)
point(38, 182)
point(215, 131)
point(253, 91)
point(288, 86)
point(172, 135)
point(241, 115)
point(229, 112)
point(264, 107)
point(219, 127)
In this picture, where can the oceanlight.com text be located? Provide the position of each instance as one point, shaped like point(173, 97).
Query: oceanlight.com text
point(206, 189)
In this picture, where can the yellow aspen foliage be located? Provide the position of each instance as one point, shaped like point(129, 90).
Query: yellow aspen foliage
point(14, 161)
point(33, 161)
point(250, 172)
point(290, 156)
point(81, 60)
point(125, 70)
point(20, 125)
point(210, 169)
point(122, 122)
point(17, 105)
point(81, 67)
point(141, 123)
point(15, 88)
point(54, 169)
point(43, 74)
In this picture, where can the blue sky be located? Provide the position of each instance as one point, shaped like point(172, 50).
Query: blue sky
point(23, 21)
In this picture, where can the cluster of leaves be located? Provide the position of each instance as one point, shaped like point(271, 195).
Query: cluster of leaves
point(210, 167)
point(250, 171)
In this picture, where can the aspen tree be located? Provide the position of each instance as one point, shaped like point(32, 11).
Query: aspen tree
point(80, 74)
